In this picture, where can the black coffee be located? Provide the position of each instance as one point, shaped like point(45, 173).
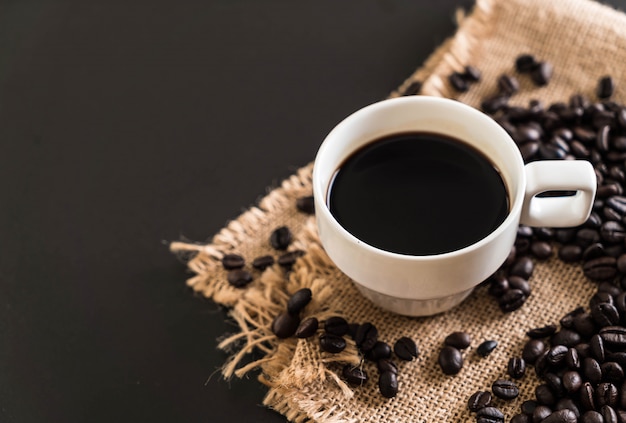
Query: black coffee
point(419, 194)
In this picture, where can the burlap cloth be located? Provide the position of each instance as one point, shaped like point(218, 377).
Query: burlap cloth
point(585, 41)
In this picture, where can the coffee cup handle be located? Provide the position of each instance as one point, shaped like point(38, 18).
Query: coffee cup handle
point(558, 175)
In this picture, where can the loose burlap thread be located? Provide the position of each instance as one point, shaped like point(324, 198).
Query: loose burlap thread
point(584, 41)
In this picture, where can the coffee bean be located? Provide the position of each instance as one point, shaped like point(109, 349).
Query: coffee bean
point(299, 300)
point(587, 236)
point(561, 416)
point(450, 360)
point(555, 384)
point(285, 325)
point(413, 88)
point(591, 370)
point(591, 416)
point(380, 350)
point(542, 73)
point(472, 73)
point(498, 285)
point(541, 249)
point(388, 384)
point(572, 360)
point(585, 325)
point(605, 314)
point(600, 298)
point(528, 407)
point(287, 260)
point(233, 261)
point(458, 340)
point(280, 238)
point(366, 336)
point(541, 365)
point(521, 418)
point(405, 349)
point(571, 381)
point(567, 321)
point(621, 263)
point(587, 396)
point(263, 262)
point(387, 365)
point(486, 348)
point(608, 414)
point(594, 251)
point(458, 82)
point(516, 282)
point(489, 415)
point(523, 267)
point(544, 395)
point(332, 343)
point(597, 347)
point(613, 232)
point(336, 325)
point(306, 204)
point(605, 87)
point(566, 337)
point(525, 63)
point(492, 104)
point(354, 375)
point(614, 336)
point(239, 278)
point(516, 367)
point(617, 203)
point(612, 372)
point(511, 300)
point(602, 140)
point(542, 332)
point(505, 389)
point(508, 85)
point(606, 394)
point(541, 413)
point(307, 328)
point(478, 400)
point(533, 349)
point(570, 253)
point(567, 404)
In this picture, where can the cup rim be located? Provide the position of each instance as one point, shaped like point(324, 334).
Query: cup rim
point(320, 192)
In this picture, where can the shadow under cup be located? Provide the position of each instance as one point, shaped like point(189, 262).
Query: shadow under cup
point(418, 285)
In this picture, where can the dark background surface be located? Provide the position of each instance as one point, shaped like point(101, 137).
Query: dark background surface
point(125, 125)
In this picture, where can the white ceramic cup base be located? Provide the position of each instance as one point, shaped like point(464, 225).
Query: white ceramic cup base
point(430, 284)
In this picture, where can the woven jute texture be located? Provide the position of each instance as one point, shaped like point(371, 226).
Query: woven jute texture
point(584, 41)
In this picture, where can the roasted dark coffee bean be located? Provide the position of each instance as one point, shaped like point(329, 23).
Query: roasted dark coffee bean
point(505, 389)
point(525, 63)
point(405, 349)
point(608, 414)
point(587, 236)
point(605, 88)
point(516, 367)
point(450, 360)
point(555, 384)
point(600, 298)
point(612, 372)
point(366, 336)
point(299, 300)
point(307, 204)
point(528, 151)
point(541, 249)
point(472, 73)
point(566, 337)
point(619, 357)
point(541, 365)
point(572, 360)
point(528, 407)
point(606, 394)
point(521, 418)
point(233, 261)
point(579, 150)
point(498, 285)
point(523, 267)
point(571, 381)
point(332, 343)
point(511, 300)
point(621, 263)
point(542, 73)
point(617, 203)
point(285, 325)
point(388, 384)
point(281, 237)
point(614, 336)
point(458, 82)
point(532, 350)
point(605, 314)
point(570, 253)
point(458, 340)
point(287, 260)
point(567, 404)
point(486, 348)
point(585, 325)
point(613, 232)
point(263, 262)
point(584, 350)
point(508, 85)
point(544, 395)
point(478, 400)
point(354, 375)
point(307, 328)
point(567, 321)
point(602, 140)
point(387, 365)
point(594, 251)
point(597, 347)
point(336, 325)
point(489, 415)
point(542, 332)
point(586, 396)
point(541, 413)
point(561, 416)
point(591, 416)
point(565, 236)
point(239, 278)
point(492, 104)
point(379, 351)
point(516, 282)
point(591, 370)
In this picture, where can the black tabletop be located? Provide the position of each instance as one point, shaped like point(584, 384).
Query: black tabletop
point(126, 125)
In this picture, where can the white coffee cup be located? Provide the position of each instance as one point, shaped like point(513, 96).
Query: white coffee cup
point(425, 285)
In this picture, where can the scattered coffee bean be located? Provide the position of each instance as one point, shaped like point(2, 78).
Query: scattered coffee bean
point(458, 82)
point(486, 348)
point(405, 349)
point(489, 415)
point(571, 381)
point(285, 325)
point(336, 325)
point(299, 300)
point(478, 400)
point(380, 350)
point(521, 418)
point(366, 336)
point(525, 63)
point(239, 278)
point(450, 360)
point(388, 384)
point(533, 349)
point(472, 74)
point(605, 88)
point(307, 328)
point(511, 300)
point(233, 261)
point(542, 332)
point(508, 85)
point(544, 395)
point(332, 343)
point(387, 365)
point(306, 204)
point(263, 262)
point(280, 238)
point(458, 340)
point(505, 389)
point(542, 73)
point(354, 375)
point(516, 367)
point(287, 260)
